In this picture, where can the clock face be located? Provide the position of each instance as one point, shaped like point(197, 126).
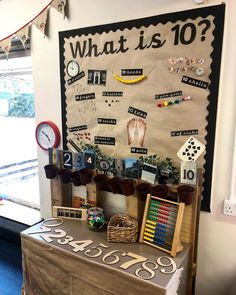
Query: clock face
point(47, 135)
point(72, 68)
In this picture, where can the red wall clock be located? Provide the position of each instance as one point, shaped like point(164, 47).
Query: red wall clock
point(47, 135)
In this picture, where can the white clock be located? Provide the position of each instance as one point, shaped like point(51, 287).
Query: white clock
point(72, 68)
point(47, 135)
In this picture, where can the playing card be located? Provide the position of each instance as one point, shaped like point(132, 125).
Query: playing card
point(191, 150)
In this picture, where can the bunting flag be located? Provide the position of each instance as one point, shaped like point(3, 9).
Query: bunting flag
point(23, 35)
point(6, 45)
point(59, 5)
point(41, 20)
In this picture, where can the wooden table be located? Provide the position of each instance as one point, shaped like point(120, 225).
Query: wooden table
point(51, 265)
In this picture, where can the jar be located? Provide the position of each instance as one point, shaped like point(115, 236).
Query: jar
point(95, 219)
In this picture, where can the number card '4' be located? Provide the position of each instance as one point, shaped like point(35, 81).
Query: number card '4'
point(90, 159)
point(188, 173)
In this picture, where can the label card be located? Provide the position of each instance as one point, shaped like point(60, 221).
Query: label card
point(184, 132)
point(86, 96)
point(106, 121)
point(169, 94)
point(78, 128)
point(137, 112)
point(188, 173)
point(112, 93)
point(195, 82)
point(135, 150)
point(131, 72)
point(104, 140)
point(76, 78)
point(149, 173)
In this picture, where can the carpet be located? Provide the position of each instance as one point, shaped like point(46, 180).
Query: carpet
point(10, 268)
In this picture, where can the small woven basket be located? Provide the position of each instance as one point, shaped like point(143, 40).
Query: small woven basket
point(122, 229)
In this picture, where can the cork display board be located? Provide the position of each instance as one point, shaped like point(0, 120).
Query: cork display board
point(144, 86)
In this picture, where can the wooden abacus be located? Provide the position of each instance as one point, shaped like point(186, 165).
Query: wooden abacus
point(161, 224)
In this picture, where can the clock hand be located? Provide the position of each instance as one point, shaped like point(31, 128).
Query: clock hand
point(46, 136)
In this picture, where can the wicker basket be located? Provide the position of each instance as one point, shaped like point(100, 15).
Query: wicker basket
point(122, 229)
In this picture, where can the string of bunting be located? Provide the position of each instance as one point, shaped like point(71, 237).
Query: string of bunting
point(39, 21)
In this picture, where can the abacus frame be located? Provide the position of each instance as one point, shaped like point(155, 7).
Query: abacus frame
point(176, 245)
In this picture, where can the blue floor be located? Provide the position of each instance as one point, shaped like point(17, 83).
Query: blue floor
point(10, 268)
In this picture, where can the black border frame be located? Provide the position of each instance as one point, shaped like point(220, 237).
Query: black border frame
point(218, 11)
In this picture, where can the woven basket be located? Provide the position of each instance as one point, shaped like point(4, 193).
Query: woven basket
point(122, 229)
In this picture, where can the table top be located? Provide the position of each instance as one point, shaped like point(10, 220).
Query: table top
point(137, 260)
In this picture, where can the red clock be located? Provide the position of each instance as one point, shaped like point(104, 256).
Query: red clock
point(47, 135)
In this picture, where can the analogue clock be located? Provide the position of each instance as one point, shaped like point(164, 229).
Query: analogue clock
point(72, 68)
point(47, 135)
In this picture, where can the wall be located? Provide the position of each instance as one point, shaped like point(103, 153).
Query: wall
point(217, 243)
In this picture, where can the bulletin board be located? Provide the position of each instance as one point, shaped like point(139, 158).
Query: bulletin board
point(142, 87)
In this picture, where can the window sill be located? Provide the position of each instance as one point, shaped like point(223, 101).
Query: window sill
point(19, 213)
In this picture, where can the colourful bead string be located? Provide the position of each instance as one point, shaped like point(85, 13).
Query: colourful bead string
point(169, 103)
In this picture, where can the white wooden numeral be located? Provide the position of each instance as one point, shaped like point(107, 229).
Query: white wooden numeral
point(113, 255)
point(80, 245)
point(171, 263)
point(47, 237)
point(66, 240)
point(137, 259)
point(43, 229)
point(99, 251)
point(145, 268)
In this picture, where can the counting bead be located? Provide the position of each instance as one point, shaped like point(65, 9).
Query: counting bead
point(159, 105)
point(177, 101)
point(170, 103)
point(166, 103)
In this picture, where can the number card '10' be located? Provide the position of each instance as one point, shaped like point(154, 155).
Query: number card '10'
point(188, 173)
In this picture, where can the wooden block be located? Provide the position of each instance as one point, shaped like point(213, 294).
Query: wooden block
point(132, 208)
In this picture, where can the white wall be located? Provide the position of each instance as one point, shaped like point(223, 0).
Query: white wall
point(217, 240)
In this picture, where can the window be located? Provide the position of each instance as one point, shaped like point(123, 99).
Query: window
point(18, 152)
